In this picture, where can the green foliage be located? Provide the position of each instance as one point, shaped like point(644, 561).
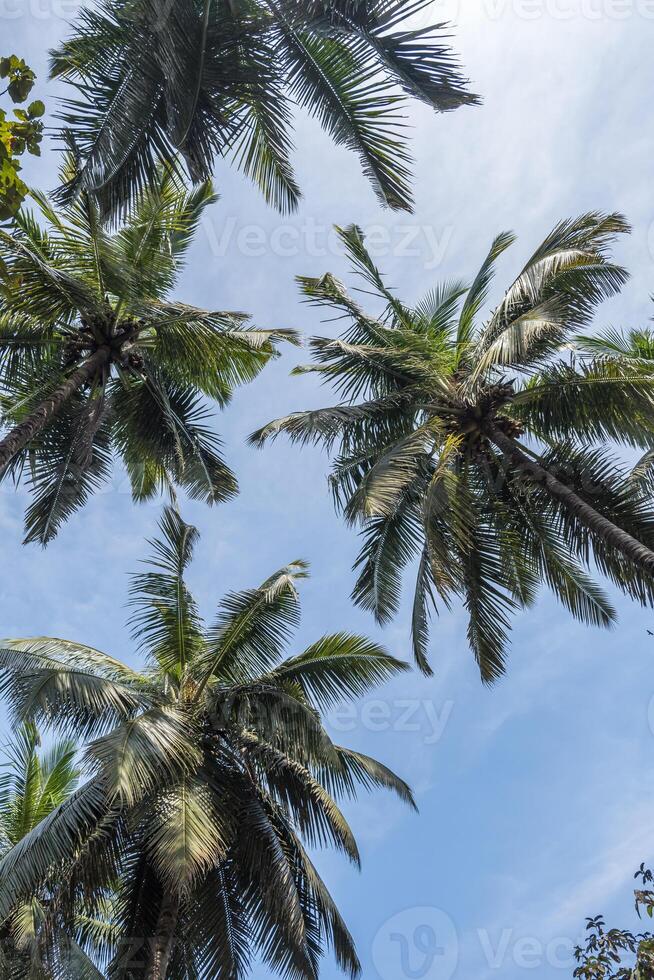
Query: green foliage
point(217, 78)
point(19, 135)
point(71, 292)
point(603, 955)
point(207, 771)
point(442, 414)
point(37, 943)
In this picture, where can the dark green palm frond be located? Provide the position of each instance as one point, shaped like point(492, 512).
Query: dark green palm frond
point(78, 655)
point(353, 769)
point(69, 463)
point(157, 747)
point(48, 691)
point(488, 604)
point(150, 248)
point(338, 667)
point(73, 961)
point(556, 293)
point(25, 348)
point(599, 479)
point(269, 892)
point(52, 842)
point(97, 933)
point(205, 80)
point(252, 627)
point(478, 292)
point(570, 583)
point(424, 604)
point(642, 473)
point(389, 545)
point(334, 82)
point(385, 486)
point(483, 582)
point(633, 348)
point(279, 714)
point(591, 402)
point(264, 147)
point(308, 804)
point(186, 836)
point(347, 423)
point(166, 622)
point(354, 242)
point(418, 59)
point(218, 927)
point(221, 350)
point(333, 929)
point(162, 431)
point(41, 286)
point(120, 129)
point(369, 371)
point(138, 895)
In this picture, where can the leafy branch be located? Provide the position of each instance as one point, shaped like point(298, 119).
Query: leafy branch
point(603, 954)
point(19, 135)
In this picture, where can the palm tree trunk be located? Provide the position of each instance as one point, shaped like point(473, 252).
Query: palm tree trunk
point(23, 433)
point(163, 941)
point(601, 526)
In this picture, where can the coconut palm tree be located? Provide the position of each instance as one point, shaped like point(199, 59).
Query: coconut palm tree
point(476, 447)
point(34, 945)
point(155, 79)
point(209, 769)
point(96, 361)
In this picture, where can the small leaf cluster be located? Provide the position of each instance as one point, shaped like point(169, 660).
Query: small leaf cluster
point(19, 135)
point(604, 951)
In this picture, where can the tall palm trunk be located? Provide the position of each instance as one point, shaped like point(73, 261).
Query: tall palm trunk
point(605, 529)
point(23, 433)
point(161, 948)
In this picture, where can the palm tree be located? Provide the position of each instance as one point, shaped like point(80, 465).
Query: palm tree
point(220, 78)
point(207, 769)
point(34, 945)
point(96, 361)
point(477, 448)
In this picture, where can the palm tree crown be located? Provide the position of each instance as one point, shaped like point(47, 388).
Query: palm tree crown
point(475, 448)
point(33, 783)
point(33, 945)
point(220, 77)
point(206, 771)
point(96, 361)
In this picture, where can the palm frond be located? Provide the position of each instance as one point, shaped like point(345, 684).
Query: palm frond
point(338, 667)
point(252, 627)
point(165, 621)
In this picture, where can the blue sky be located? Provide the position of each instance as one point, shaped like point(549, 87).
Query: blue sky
point(536, 796)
